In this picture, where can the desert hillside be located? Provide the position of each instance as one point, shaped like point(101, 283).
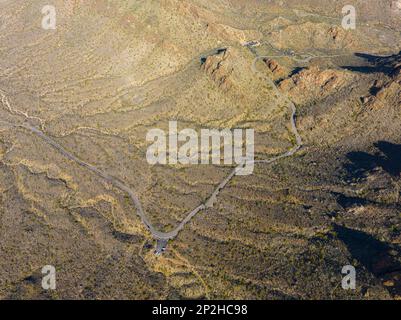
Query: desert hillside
point(77, 191)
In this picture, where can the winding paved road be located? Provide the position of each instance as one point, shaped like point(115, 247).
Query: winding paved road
point(208, 203)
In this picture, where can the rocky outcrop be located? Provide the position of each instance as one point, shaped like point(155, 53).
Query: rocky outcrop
point(388, 93)
point(218, 70)
point(312, 82)
point(277, 70)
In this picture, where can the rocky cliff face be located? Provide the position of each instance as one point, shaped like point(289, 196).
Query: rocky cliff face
point(217, 69)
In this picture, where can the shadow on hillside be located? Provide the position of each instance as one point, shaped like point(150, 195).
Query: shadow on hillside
point(387, 157)
point(375, 64)
point(373, 254)
point(370, 252)
point(348, 202)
